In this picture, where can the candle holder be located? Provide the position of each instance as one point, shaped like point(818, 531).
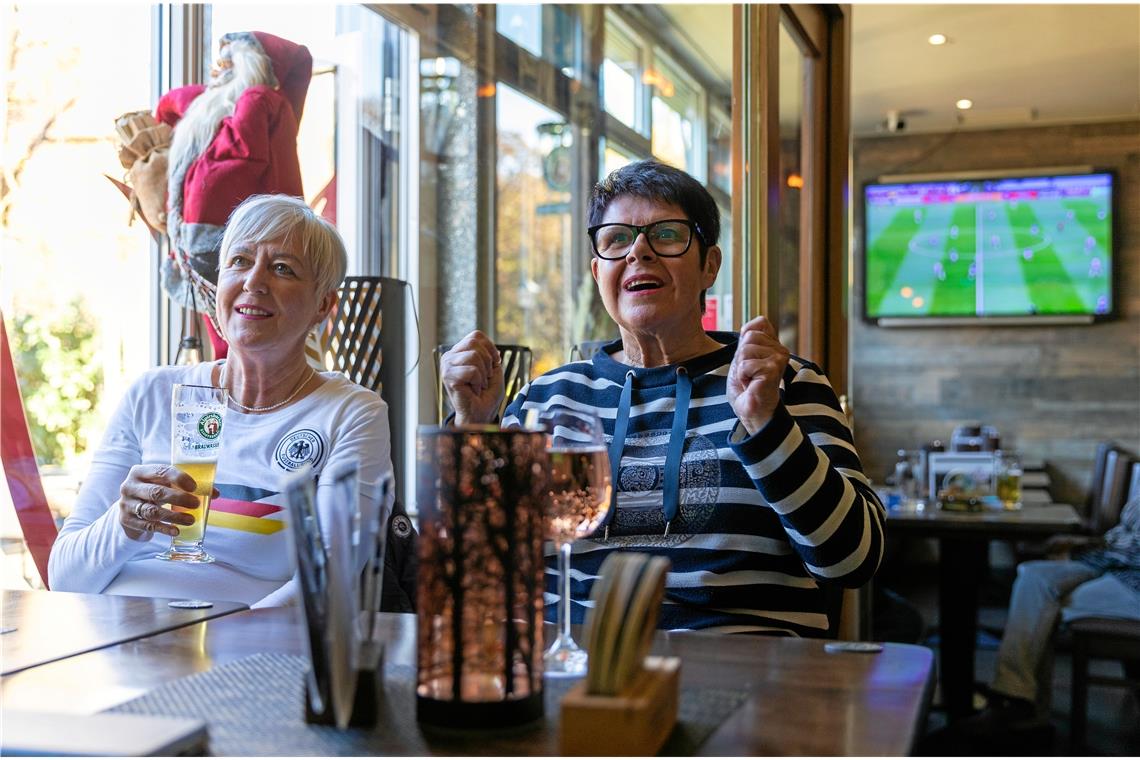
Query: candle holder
point(481, 495)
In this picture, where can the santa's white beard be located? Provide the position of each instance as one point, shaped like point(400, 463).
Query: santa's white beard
point(197, 127)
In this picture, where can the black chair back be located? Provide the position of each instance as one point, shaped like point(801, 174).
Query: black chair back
point(365, 339)
point(1113, 491)
point(587, 348)
point(353, 339)
point(1133, 484)
point(517, 361)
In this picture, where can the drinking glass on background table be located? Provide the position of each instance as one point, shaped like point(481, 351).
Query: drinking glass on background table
point(1008, 470)
point(197, 413)
point(579, 489)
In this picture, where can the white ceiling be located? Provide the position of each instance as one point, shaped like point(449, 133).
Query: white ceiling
point(1020, 64)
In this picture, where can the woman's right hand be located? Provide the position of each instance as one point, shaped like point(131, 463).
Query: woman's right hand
point(146, 495)
point(472, 376)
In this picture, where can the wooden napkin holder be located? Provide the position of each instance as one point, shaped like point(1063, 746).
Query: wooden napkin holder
point(636, 721)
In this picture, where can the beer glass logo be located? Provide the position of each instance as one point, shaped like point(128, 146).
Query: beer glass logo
point(210, 425)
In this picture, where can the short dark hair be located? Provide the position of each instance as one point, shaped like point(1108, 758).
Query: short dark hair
point(653, 180)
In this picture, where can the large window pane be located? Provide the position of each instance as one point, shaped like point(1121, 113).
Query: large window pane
point(545, 31)
point(621, 77)
point(615, 157)
point(678, 118)
point(521, 23)
point(720, 152)
point(718, 301)
point(348, 142)
point(533, 268)
point(791, 176)
point(74, 275)
point(315, 28)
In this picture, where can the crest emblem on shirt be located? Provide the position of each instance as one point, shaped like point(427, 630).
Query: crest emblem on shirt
point(299, 448)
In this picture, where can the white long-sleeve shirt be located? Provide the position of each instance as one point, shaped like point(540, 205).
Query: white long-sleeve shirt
point(337, 424)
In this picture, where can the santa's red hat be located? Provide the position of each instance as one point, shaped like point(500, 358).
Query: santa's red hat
point(292, 63)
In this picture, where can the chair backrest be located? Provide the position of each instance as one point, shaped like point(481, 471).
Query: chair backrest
point(1096, 482)
point(1113, 492)
point(1133, 484)
point(353, 340)
point(20, 470)
point(364, 338)
point(586, 349)
point(517, 362)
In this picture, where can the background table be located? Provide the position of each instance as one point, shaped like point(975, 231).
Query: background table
point(963, 562)
point(800, 699)
point(50, 625)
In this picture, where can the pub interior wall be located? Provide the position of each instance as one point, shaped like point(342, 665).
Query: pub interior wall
point(1052, 392)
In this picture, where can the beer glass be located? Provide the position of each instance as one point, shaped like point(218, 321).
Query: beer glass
point(1008, 479)
point(197, 413)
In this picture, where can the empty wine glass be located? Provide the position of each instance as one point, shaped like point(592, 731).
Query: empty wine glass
point(579, 491)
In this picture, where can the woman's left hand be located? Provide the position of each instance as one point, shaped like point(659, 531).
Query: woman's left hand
point(754, 376)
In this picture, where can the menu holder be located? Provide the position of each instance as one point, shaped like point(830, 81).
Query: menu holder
point(627, 703)
point(346, 657)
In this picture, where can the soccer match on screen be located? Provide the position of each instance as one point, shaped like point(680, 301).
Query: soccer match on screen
point(998, 247)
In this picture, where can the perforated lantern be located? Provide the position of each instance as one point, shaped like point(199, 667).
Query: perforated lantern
point(479, 591)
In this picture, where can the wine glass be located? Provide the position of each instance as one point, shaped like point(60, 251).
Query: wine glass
point(579, 490)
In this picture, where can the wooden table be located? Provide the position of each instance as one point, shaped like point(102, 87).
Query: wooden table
point(963, 561)
point(51, 625)
point(801, 700)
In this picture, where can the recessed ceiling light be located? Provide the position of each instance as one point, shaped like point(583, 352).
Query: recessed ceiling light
point(964, 104)
point(937, 39)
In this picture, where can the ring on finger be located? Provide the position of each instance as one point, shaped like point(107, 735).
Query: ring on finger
point(138, 511)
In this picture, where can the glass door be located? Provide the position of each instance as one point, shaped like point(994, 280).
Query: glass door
point(790, 182)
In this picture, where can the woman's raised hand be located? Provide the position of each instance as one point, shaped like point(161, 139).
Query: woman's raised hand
point(472, 375)
point(144, 497)
point(754, 376)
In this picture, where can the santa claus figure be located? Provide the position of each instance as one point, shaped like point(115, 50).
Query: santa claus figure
point(233, 138)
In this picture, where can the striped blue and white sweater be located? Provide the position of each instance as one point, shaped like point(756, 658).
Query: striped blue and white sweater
point(756, 523)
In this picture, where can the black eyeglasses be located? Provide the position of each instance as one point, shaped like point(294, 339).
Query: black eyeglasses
point(668, 237)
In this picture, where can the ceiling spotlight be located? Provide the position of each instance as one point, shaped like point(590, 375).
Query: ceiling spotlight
point(937, 39)
point(965, 104)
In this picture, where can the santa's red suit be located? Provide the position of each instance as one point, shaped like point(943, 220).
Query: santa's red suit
point(253, 149)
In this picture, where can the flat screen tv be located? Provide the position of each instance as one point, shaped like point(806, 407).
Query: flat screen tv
point(997, 249)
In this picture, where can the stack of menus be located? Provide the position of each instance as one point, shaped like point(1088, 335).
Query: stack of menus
point(332, 541)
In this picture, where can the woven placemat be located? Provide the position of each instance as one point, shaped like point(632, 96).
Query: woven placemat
point(254, 706)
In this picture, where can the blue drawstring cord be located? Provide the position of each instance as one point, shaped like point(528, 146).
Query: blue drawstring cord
point(617, 446)
point(671, 499)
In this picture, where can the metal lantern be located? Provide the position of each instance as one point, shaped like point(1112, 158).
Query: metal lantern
point(480, 492)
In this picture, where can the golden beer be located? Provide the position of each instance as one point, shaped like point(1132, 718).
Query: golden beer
point(1008, 481)
point(1009, 489)
point(197, 414)
point(203, 474)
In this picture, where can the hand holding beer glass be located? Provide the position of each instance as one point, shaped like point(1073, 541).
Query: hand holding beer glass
point(196, 416)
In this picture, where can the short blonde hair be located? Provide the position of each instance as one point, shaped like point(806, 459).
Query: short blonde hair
point(283, 217)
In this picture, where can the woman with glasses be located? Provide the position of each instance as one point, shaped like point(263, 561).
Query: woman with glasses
point(730, 456)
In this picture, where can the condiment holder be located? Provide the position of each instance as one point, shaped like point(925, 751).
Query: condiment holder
point(627, 703)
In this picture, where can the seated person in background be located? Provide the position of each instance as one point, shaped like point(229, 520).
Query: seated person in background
point(1100, 579)
point(770, 502)
point(280, 266)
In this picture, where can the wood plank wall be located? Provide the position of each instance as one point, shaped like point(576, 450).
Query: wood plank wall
point(1052, 392)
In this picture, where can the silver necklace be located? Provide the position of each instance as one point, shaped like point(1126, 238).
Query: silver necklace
point(271, 407)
